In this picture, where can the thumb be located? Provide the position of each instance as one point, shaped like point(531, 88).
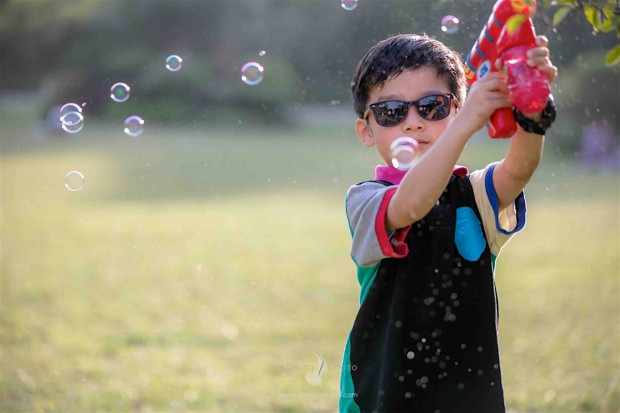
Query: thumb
point(499, 65)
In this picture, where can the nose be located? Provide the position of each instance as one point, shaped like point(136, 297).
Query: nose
point(413, 121)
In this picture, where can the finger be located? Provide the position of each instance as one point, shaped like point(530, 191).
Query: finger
point(538, 51)
point(539, 61)
point(492, 77)
point(551, 72)
point(499, 102)
point(542, 40)
point(499, 65)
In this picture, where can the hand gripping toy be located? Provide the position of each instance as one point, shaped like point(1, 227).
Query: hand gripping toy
point(509, 34)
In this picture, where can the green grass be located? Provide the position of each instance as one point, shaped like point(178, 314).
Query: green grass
point(202, 270)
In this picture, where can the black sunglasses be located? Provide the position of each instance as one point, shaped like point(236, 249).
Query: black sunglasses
point(393, 112)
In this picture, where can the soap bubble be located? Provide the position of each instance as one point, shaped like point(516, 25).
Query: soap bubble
point(71, 118)
point(450, 24)
point(73, 128)
point(348, 4)
point(252, 73)
point(262, 53)
point(134, 126)
point(119, 92)
point(174, 63)
point(69, 107)
point(74, 181)
point(404, 152)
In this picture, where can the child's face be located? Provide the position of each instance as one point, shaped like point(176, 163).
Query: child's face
point(412, 84)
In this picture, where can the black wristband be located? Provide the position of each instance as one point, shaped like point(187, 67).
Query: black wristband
point(540, 127)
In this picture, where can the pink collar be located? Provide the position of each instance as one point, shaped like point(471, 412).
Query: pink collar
point(394, 175)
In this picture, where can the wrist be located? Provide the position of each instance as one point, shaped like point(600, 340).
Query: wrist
point(538, 122)
point(536, 116)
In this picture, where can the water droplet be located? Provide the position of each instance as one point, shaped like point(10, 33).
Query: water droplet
point(450, 24)
point(404, 152)
point(252, 73)
point(410, 355)
point(460, 386)
point(348, 4)
point(174, 63)
point(119, 92)
point(134, 126)
point(74, 181)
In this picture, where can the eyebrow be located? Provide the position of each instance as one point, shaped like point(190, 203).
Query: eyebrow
point(426, 93)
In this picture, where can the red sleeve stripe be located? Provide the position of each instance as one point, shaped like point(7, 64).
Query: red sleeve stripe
point(397, 248)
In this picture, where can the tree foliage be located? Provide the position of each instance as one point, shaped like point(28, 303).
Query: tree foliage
point(603, 15)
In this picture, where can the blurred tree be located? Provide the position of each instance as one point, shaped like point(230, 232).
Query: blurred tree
point(603, 15)
point(76, 49)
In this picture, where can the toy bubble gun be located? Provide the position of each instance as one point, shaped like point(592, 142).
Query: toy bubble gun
point(509, 34)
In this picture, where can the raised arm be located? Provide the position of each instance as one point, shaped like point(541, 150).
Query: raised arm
point(525, 150)
point(425, 181)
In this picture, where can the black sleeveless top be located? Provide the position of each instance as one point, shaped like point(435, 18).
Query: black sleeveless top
point(425, 337)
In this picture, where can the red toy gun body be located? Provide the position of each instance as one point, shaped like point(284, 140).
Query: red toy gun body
point(508, 34)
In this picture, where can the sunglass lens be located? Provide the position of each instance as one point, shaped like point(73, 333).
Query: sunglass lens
point(390, 113)
point(434, 107)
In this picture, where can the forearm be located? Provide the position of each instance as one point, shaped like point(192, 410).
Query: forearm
point(523, 155)
point(426, 180)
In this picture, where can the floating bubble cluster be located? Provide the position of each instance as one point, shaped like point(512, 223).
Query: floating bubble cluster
point(404, 152)
point(252, 73)
point(348, 4)
point(174, 63)
point(134, 126)
point(119, 92)
point(71, 118)
point(74, 181)
point(450, 24)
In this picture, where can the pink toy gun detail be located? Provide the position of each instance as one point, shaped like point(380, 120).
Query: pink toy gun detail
point(509, 34)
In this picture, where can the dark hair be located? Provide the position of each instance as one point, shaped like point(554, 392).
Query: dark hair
point(392, 56)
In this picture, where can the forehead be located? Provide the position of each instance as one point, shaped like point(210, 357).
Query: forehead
point(410, 84)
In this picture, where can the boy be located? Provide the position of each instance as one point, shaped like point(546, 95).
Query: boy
point(425, 240)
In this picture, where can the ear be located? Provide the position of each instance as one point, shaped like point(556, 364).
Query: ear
point(364, 133)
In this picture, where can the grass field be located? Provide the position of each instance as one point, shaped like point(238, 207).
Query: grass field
point(203, 270)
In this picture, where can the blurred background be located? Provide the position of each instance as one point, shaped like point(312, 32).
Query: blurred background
point(200, 261)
